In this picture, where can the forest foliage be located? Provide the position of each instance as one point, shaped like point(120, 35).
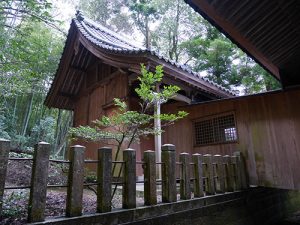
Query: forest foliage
point(32, 39)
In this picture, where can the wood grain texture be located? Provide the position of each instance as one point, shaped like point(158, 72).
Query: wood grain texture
point(268, 127)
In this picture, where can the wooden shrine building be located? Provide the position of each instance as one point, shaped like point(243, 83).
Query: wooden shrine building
point(98, 65)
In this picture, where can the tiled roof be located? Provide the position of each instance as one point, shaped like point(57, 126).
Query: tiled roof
point(112, 41)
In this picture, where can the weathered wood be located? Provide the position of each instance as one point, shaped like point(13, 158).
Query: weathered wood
point(242, 170)
point(150, 178)
point(39, 178)
point(209, 174)
point(185, 181)
point(229, 173)
point(75, 181)
point(220, 172)
point(238, 171)
point(129, 186)
point(104, 178)
point(169, 193)
point(262, 144)
point(236, 181)
point(4, 153)
point(198, 173)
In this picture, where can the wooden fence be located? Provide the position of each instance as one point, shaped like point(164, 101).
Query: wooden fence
point(204, 174)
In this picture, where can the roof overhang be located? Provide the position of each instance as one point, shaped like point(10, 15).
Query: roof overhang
point(79, 53)
point(268, 31)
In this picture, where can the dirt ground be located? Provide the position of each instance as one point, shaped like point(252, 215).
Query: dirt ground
point(15, 202)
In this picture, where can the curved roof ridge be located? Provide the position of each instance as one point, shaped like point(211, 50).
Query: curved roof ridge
point(98, 26)
point(110, 40)
point(187, 68)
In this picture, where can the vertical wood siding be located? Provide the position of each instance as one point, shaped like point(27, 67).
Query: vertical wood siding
point(92, 105)
point(268, 127)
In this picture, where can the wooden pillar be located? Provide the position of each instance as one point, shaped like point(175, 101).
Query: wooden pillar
point(198, 182)
point(242, 170)
point(220, 172)
point(104, 178)
point(185, 182)
point(129, 186)
point(75, 181)
point(229, 173)
point(209, 174)
point(39, 178)
point(4, 153)
point(150, 178)
point(168, 173)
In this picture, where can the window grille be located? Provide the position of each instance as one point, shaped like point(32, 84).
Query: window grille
point(214, 130)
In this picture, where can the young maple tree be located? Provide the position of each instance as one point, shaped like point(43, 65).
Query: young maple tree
point(125, 126)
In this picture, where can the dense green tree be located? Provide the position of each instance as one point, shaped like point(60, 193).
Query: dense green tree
point(180, 24)
point(111, 14)
point(31, 45)
point(254, 78)
point(143, 13)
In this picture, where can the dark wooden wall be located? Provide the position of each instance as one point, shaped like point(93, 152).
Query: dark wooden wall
point(96, 100)
point(268, 127)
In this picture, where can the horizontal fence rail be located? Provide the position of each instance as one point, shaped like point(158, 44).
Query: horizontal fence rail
point(200, 175)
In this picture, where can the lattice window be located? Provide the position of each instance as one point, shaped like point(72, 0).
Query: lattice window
point(214, 130)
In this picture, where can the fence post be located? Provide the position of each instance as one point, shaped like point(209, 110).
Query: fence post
point(150, 178)
point(209, 174)
point(236, 181)
point(129, 186)
point(220, 172)
point(168, 157)
point(185, 181)
point(4, 153)
point(229, 173)
point(104, 178)
point(242, 170)
point(198, 171)
point(75, 181)
point(39, 178)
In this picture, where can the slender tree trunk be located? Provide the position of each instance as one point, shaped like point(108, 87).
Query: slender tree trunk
point(176, 30)
point(57, 132)
point(15, 110)
point(147, 35)
point(61, 142)
point(173, 36)
point(27, 115)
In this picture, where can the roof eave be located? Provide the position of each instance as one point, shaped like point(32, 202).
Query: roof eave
point(208, 12)
point(53, 91)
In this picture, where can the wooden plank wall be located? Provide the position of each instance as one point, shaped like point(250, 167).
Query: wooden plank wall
point(268, 127)
point(98, 102)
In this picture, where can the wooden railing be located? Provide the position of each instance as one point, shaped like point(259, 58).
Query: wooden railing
point(199, 174)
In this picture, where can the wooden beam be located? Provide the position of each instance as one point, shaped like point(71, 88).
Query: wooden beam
point(78, 69)
point(182, 98)
point(63, 66)
point(65, 94)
